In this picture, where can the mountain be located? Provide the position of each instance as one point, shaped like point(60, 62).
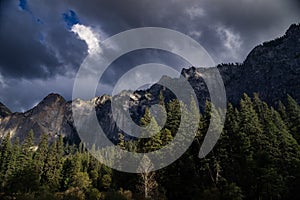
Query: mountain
point(46, 117)
point(4, 111)
point(271, 69)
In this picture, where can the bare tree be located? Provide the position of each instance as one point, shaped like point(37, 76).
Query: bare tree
point(148, 183)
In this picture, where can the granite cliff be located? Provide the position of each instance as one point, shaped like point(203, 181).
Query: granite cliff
point(271, 69)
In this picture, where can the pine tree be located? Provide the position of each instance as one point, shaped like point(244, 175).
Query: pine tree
point(282, 111)
point(293, 118)
point(288, 162)
point(249, 123)
point(121, 142)
point(173, 116)
point(71, 166)
point(251, 129)
point(152, 127)
point(230, 144)
point(155, 142)
point(270, 181)
point(27, 148)
point(26, 177)
point(13, 164)
point(5, 157)
point(41, 153)
point(269, 128)
point(51, 175)
point(166, 136)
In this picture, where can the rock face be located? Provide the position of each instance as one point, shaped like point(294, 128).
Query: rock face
point(46, 117)
point(4, 111)
point(271, 69)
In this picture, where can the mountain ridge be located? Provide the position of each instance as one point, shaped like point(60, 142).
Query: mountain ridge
point(4, 111)
point(271, 69)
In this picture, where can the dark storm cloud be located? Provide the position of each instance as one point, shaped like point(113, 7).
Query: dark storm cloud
point(249, 22)
point(38, 50)
point(127, 61)
point(32, 48)
point(21, 54)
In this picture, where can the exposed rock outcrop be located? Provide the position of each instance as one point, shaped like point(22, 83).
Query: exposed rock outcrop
point(271, 69)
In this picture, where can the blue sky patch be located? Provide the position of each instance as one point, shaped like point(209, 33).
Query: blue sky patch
point(23, 4)
point(70, 18)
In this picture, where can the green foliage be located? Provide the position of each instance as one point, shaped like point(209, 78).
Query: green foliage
point(52, 167)
point(5, 157)
point(27, 149)
point(106, 181)
point(257, 157)
point(232, 192)
point(114, 196)
point(81, 180)
point(293, 118)
point(94, 194)
point(74, 194)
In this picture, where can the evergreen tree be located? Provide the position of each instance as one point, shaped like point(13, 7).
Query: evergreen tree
point(293, 118)
point(256, 157)
point(173, 116)
point(27, 149)
point(13, 164)
point(166, 136)
point(41, 153)
point(250, 129)
point(5, 157)
point(71, 166)
point(26, 178)
point(150, 123)
point(53, 166)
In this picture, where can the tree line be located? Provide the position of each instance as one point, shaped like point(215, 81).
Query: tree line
point(256, 157)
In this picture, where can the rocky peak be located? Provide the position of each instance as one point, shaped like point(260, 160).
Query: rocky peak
point(46, 117)
point(4, 111)
point(284, 50)
point(271, 69)
point(53, 98)
point(50, 102)
point(294, 30)
point(189, 72)
point(101, 100)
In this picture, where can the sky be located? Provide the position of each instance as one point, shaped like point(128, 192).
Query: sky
point(43, 43)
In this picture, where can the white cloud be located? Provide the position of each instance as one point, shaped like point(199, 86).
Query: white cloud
point(231, 40)
point(86, 34)
point(2, 81)
point(196, 34)
point(195, 12)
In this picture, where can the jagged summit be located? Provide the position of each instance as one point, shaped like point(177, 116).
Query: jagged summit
point(52, 99)
point(271, 69)
point(50, 102)
point(4, 111)
point(293, 30)
point(53, 96)
point(285, 49)
point(186, 72)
